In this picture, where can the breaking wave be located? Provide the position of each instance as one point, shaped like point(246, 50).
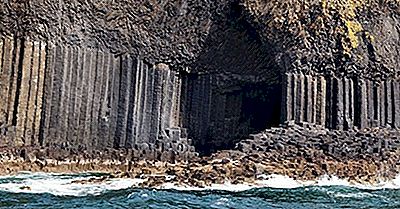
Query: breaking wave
point(62, 184)
point(81, 184)
point(50, 190)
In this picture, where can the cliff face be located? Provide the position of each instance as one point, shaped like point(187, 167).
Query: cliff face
point(148, 75)
point(208, 36)
point(348, 37)
point(72, 97)
point(160, 31)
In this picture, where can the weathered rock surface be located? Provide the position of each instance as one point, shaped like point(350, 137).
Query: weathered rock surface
point(349, 37)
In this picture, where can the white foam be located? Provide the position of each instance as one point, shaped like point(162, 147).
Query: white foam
point(278, 181)
point(284, 182)
point(62, 184)
point(221, 202)
point(226, 187)
point(357, 195)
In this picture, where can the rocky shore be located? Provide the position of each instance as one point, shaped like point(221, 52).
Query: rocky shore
point(300, 152)
point(136, 89)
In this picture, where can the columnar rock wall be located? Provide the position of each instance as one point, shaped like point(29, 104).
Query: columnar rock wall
point(58, 95)
point(303, 99)
point(64, 96)
point(211, 116)
point(196, 105)
point(340, 103)
point(22, 70)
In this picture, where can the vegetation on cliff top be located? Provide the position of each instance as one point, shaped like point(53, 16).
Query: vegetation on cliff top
point(324, 34)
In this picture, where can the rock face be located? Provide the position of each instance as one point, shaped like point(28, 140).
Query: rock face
point(340, 103)
point(165, 79)
point(160, 31)
point(350, 37)
point(65, 96)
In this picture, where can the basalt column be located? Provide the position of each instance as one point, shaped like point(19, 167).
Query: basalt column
point(287, 113)
point(303, 99)
point(8, 84)
point(339, 103)
point(58, 95)
point(361, 104)
point(79, 103)
point(197, 98)
point(321, 101)
point(21, 86)
point(396, 103)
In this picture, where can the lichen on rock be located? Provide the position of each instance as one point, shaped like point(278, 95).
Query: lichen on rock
point(331, 37)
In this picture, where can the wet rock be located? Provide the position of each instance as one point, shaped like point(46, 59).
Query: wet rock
point(25, 188)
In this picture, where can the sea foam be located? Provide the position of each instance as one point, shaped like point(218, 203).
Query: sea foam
point(66, 185)
point(285, 182)
point(61, 185)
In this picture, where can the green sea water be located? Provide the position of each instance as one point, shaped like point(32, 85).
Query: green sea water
point(56, 191)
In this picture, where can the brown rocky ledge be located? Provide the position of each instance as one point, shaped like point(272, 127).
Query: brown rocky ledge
point(362, 159)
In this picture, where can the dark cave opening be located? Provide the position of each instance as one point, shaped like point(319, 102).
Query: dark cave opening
point(233, 87)
point(261, 107)
point(218, 116)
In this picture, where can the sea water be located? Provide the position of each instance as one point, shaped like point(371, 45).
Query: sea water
point(47, 190)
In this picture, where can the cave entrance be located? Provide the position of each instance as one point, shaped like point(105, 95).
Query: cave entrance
point(218, 114)
point(233, 88)
point(260, 107)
